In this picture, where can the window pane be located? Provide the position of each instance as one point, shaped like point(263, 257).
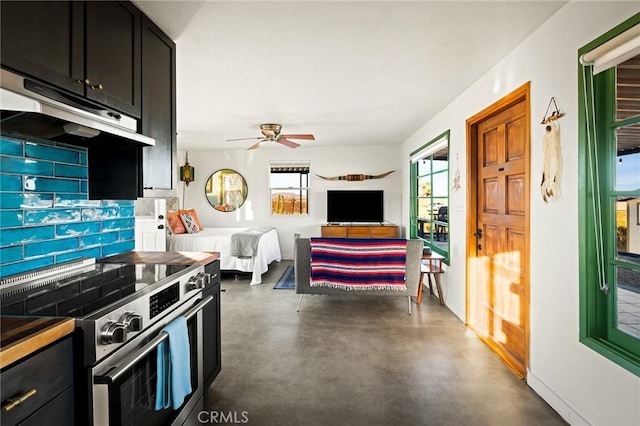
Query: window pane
point(440, 185)
point(289, 180)
point(424, 208)
point(628, 302)
point(424, 186)
point(289, 202)
point(424, 166)
point(440, 163)
point(628, 163)
point(628, 95)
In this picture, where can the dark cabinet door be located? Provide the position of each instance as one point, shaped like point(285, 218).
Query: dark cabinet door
point(45, 40)
point(211, 335)
point(158, 110)
point(113, 55)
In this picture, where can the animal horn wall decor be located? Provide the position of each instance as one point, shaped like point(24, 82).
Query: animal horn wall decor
point(356, 177)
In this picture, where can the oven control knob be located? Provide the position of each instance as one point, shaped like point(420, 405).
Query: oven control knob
point(113, 332)
point(195, 283)
point(132, 321)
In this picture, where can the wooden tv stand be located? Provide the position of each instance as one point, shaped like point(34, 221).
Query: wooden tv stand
point(359, 231)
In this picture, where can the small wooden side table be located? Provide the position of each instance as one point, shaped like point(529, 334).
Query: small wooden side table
point(432, 268)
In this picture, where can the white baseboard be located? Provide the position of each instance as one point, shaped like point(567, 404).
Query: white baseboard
point(555, 401)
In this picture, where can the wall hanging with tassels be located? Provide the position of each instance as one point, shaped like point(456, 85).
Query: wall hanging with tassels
point(550, 186)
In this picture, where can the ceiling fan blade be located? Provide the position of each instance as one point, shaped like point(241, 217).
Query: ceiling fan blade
point(287, 142)
point(257, 145)
point(307, 137)
point(243, 139)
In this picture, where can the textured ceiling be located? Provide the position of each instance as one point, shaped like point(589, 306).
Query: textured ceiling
point(351, 73)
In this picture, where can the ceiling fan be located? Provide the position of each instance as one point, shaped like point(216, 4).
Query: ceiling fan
point(271, 133)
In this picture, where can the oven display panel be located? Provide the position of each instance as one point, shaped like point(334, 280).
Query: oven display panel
point(162, 300)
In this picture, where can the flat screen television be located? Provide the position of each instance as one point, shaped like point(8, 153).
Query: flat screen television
point(355, 206)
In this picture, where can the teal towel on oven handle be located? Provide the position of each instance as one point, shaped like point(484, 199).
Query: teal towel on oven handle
point(174, 366)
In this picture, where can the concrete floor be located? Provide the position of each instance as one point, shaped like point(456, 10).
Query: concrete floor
point(354, 360)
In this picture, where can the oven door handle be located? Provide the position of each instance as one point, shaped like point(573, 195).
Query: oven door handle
point(113, 374)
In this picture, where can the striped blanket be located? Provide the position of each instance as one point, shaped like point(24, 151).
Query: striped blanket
point(358, 264)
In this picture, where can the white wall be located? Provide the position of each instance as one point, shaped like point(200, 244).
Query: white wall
point(254, 166)
point(583, 386)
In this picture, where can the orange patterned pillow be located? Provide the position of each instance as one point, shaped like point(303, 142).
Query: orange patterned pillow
point(175, 223)
point(193, 213)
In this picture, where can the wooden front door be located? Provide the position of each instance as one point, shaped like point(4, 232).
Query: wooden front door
point(498, 228)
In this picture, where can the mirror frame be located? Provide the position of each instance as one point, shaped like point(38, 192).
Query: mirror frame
point(224, 185)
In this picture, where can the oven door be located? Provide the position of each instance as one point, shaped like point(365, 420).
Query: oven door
point(124, 385)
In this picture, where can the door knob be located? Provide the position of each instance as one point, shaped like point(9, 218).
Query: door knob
point(160, 226)
point(478, 234)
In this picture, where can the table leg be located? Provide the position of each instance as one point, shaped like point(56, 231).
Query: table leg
point(440, 296)
point(420, 285)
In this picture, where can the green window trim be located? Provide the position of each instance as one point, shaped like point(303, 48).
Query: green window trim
point(598, 310)
point(437, 234)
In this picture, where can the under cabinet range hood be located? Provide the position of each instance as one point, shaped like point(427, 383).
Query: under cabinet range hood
point(34, 109)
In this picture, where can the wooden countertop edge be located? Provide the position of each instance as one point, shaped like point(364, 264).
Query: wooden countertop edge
point(31, 343)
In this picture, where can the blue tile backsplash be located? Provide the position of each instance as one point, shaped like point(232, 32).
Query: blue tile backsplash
point(45, 214)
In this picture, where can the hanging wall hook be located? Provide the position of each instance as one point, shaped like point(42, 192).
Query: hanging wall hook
point(556, 114)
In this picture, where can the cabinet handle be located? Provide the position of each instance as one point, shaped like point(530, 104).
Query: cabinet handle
point(160, 226)
point(93, 86)
point(14, 402)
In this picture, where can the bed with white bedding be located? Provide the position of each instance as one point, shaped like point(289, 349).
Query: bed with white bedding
point(219, 239)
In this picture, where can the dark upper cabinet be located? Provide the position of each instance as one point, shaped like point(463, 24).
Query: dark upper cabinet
point(89, 48)
point(113, 55)
point(158, 110)
point(45, 39)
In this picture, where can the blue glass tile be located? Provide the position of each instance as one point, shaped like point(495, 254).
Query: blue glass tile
point(100, 213)
point(127, 212)
point(83, 158)
point(92, 252)
point(117, 203)
point(25, 166)
point(50, 247)
point(116, 248)
point(127, 234)
point(64, 170)
point(27, 201)
point(84, 186)
point(10, 147)
point(41, 184)
point(80, 228)
point(13, 236)
point(51, 216)
point(74, 200)
point(19, 267)
point(118, 224)
point(10, 254)
point(10, 182)
point(11, 218)
point(51, 153)
point(98, 239)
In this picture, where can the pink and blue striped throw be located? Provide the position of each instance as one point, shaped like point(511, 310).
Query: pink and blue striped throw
point(358, 264)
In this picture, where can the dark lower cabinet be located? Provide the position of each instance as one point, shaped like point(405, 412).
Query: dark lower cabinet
point(44, 382)
point(211, 336)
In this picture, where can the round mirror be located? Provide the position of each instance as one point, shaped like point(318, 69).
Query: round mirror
point(226, 190)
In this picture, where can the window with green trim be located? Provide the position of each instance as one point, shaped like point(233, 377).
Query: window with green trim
point(610, 198)
point(430, 194)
